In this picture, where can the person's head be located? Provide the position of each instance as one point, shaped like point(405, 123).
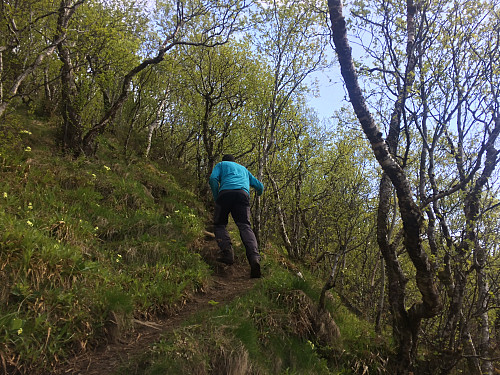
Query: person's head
point(228, 157)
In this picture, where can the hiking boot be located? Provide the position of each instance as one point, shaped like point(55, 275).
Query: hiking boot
point(226, 257)
point(255, 270)
point(225, 260)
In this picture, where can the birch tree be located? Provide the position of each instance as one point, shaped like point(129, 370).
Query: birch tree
point(462, 109)
point(290, 38)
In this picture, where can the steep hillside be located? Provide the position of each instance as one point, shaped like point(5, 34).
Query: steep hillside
point(126, 348)
point(106, 263)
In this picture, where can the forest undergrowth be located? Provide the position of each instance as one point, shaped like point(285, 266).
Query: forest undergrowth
point(105, 263)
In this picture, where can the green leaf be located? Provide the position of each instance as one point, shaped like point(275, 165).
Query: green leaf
point(16, 324)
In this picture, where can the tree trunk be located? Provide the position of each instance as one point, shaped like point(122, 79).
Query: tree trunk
point(406, 323)
point(132, 118)
point(471, 209)
point(330, 283)
point(290, 248)
point(264, 148)
point(154, 125)
point(2, 48)
point(72, 126)
point(381, 299)
point(497, 320)
point(471, 354)
point(484, 325)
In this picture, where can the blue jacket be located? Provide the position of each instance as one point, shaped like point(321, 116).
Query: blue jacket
point(228, 175)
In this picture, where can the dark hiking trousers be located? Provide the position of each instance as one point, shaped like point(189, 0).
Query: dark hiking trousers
point(236, 203)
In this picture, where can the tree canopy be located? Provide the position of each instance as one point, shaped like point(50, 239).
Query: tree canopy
point(393, 200)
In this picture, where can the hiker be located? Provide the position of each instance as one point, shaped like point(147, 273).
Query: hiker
point(230, 183)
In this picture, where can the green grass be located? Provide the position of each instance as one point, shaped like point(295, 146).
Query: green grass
point(261, 332)
point(265, 332)
point(254, 334)
point(82, 239)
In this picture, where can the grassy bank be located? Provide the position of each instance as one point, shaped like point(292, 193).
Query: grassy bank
point(273, 329)
point(84, 240)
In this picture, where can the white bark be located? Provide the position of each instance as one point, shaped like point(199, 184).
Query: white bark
point(155, 124)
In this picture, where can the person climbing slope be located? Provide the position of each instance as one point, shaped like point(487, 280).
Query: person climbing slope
point(230, 183)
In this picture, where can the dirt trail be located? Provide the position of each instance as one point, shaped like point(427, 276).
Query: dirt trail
point(227, 283)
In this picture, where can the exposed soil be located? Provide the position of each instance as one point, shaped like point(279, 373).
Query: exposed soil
point(226, 284)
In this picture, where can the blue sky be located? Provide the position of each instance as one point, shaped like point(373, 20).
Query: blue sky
point(331, 92)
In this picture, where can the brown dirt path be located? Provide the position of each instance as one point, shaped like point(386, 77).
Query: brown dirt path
point(226, 284)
